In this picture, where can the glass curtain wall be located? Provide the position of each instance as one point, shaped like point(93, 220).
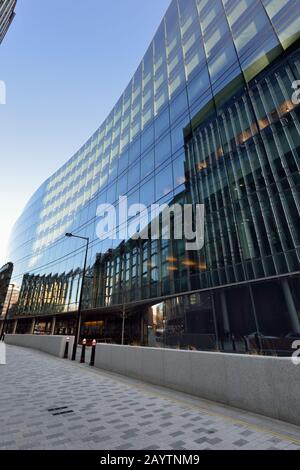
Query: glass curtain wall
point(207, 118)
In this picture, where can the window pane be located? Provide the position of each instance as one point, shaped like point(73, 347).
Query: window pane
point(164, 182)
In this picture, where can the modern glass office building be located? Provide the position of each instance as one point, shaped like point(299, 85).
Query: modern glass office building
point(5, 276)
point(7, 14)
point(208, 118)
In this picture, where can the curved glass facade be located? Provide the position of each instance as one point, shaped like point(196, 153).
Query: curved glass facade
point(7, 14)
point(208, 118)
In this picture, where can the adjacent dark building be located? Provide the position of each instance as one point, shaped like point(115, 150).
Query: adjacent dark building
point(5, 277)
point(208, 118)
point(7, 14)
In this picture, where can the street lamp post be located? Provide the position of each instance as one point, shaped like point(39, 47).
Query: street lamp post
point(123, 316)
point(78, 320)
point(123, 287)
point(6, 313)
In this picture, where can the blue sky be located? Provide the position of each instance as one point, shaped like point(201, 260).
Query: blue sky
point(65, 63)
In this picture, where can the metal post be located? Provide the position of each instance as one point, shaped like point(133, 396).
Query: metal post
point(66, 354)
point(293, 315)
point(52, 330)
point(123, 278)
point(258, 336)
point(215, 320)
point(78, 320)
point(82, 358)
point(6, 313)
point(123, 322)
point(224, 313)
point(93, 353)
point(233, 342)
point(32, 327)
point(142, 328)
point(15, 327)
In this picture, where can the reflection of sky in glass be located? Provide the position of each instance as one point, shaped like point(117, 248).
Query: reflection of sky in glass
point(207, 45)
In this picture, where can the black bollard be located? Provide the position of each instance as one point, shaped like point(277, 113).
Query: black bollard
point(82, 359)
point(66, 354)
point(93, 353)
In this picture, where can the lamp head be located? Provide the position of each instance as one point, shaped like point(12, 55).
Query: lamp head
point(69, 235)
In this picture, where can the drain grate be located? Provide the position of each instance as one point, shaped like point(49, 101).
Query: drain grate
point(61, 410)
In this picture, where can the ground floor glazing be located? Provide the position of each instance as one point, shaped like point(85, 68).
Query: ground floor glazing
point(260, 317)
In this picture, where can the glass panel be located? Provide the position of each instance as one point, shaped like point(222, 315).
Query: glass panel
point(164, 182)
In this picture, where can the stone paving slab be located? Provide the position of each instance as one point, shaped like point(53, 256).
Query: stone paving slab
point(51, 403)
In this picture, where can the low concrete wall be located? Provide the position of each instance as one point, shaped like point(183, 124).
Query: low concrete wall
point(260, 384)
point(54, 345)
point(2, 354)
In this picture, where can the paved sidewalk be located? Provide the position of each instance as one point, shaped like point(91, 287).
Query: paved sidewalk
point(50, 403)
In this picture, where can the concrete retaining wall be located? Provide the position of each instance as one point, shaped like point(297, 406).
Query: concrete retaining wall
point(54, 345)
point(260, 384)
point(2, 354)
